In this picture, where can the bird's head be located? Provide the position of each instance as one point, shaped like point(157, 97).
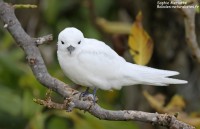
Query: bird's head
point(69, 39)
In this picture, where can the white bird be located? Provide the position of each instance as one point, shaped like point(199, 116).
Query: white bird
point(92, 63)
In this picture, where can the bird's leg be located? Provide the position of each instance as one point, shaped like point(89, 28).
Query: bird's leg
point(94, 94)
point(83, 94)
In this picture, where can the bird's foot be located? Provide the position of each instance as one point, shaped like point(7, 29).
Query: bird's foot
point(87, 96)
point(85, 93)
point(94, 95)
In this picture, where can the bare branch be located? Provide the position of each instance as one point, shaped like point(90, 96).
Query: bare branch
point(154, 118)
point(189, 20)
point(38, 67)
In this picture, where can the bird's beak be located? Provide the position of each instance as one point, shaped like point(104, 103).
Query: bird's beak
point(70, 49)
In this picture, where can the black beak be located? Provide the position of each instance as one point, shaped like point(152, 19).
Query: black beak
point(70, 49)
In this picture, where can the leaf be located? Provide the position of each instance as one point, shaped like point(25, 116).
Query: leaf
point(157, 102)
point(140, 43)
point(197, 8)
point(113, 27)
point(175, 106)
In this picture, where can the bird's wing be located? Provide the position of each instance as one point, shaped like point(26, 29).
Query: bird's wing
point(100, 60)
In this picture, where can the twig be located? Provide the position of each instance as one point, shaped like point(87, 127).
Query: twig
point(19, 6)
point(50, 104)
point(38, 67)
point(44, 39)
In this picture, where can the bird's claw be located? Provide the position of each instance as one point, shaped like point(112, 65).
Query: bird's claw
point(83, 94)
point(87, 96)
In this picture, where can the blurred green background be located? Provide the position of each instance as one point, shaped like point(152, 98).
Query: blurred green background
point(18, 86)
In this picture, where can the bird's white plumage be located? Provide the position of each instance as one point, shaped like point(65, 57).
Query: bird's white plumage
point(92, 63)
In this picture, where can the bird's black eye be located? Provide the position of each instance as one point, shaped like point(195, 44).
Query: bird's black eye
point(62, 42)
point(79, 42)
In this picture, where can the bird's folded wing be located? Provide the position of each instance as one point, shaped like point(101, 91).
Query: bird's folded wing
point(100, 60)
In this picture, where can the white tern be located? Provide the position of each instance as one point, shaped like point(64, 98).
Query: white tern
point(92, 63)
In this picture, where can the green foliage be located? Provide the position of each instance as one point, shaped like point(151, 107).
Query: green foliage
point(80, 120)
point(7, 103)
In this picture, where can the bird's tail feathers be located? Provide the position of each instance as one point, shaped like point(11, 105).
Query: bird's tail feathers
point(151, 76)
point(163, 81)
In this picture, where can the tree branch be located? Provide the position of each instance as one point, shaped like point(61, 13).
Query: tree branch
point(190, 34)
point(38, 67)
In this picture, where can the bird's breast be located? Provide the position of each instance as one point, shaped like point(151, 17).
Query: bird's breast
point(73, 69)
